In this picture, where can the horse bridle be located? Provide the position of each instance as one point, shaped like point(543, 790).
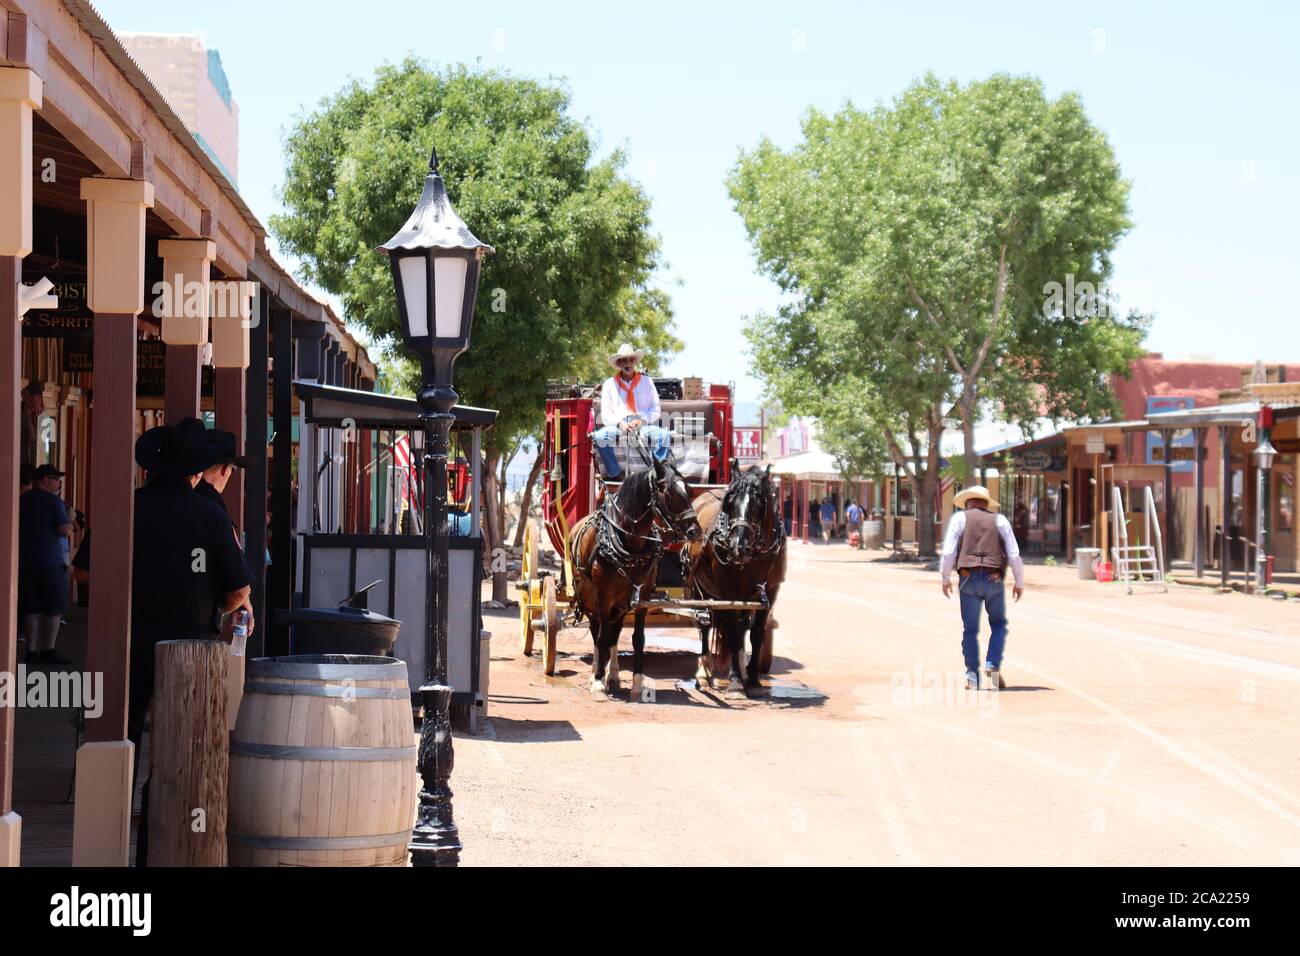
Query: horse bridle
point(616, 553)
point(724, 526)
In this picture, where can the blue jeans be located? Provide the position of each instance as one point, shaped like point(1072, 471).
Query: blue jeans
point(607, 439)
point(977, 591)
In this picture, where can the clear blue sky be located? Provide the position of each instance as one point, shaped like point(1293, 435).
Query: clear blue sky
point(1199, 100)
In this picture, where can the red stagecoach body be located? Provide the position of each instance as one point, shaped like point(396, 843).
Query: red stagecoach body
point(571, 490)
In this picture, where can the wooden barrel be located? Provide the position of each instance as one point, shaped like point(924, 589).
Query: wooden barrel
point(873, 533)
point(322, 763)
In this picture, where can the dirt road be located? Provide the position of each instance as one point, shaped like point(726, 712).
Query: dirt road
point(1156, 729)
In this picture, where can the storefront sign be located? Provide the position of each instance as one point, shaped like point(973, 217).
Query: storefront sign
point(1182, 437)
point(1032, 461)
point(150, 364)
point(747, 443)
point(72, 317)
point(1096, 445)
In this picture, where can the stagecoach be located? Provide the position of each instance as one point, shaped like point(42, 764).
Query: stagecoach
point(573, 487)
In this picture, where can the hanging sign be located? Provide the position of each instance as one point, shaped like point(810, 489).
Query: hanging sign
point(747, 444)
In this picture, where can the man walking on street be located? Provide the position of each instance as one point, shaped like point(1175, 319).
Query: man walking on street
point(980, 544)
point(827, 520)
point(854, 516)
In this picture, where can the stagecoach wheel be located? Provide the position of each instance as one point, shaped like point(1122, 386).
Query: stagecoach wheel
point(765, 658)
point(551, 635)
point(527, 601)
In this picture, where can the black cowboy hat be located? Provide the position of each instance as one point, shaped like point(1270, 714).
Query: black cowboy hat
point(226, 447)
point(175, 451)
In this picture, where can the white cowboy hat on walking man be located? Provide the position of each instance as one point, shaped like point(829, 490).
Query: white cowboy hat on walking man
point(625, 351)
point(974, 491)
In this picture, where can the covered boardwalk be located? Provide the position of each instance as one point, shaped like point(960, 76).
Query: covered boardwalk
point(808, 478)
point(169, 305)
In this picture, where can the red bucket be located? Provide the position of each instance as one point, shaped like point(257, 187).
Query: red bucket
point(1105, 572)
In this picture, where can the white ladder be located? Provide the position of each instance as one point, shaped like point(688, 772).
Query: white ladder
point(1139, 564)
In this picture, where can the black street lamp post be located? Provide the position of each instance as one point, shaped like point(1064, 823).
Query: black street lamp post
point(435, 261)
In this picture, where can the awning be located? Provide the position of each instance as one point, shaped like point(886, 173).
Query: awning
point(331, 405)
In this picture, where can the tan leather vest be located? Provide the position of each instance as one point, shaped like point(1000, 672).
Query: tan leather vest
point(981, 545)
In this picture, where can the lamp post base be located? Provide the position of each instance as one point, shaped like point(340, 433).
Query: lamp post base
point(435, 840)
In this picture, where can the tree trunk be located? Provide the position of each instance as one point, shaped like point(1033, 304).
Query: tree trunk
point(923, 488)
point(492, 533)
point(527, 500)
point(969, 408)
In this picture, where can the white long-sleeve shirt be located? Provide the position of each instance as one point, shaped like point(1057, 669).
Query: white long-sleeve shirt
point(613, 405)
point(952, 545)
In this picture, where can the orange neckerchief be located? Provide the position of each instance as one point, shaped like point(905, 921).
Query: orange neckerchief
point(628, 390)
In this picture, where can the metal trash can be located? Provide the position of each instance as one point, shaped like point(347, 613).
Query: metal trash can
point(351, 628)
point(1083, 560)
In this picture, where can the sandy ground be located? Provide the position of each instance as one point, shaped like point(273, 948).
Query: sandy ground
point(1154, 729)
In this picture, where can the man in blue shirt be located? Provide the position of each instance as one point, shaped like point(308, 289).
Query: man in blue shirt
point(827, 519)
point(854, 516)
point(43, 527)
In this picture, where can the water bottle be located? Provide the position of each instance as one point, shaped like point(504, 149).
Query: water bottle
point(239, 621)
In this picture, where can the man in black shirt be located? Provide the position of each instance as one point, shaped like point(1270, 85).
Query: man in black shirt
point(225, 451)
point(187, 570)
point(43, 526)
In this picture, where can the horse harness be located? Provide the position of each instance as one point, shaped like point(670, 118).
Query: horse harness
point(724, 525)
point(611, 537)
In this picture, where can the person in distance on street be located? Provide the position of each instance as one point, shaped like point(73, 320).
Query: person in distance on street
point(980, 544)
point(44, 528)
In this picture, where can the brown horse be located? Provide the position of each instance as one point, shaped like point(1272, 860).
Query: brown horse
point(740, 558)
point(616, 552)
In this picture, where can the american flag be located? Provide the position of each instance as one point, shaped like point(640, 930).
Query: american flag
point(407, 489)
point(34, 398)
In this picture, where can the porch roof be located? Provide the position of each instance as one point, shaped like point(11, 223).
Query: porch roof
point(332, 405)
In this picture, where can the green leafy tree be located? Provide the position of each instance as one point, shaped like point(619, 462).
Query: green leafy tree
point(938, 224)
point(572, 234)
point(874, 408)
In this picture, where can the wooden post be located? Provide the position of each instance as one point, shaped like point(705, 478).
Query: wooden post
point(1225, 496)
point(1167, 437)
point(1198, 547)
point(115, 238)
point(255, 475)
point(228, 400)
point(10, 373)
point(181, 384)
point(190, 756)
point(21, 92)
point(279, 590)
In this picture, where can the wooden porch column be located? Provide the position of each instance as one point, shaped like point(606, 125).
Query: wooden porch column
point(255, 475)
point(20, 93)
point(186, 275)
point(280, 578)
point(1167, 437)
point(115, 275)
point(232, 311)
point(1225, 496)
point(1198, 459)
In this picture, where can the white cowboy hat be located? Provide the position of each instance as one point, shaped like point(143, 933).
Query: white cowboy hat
point(974, 491)
point(625, 351)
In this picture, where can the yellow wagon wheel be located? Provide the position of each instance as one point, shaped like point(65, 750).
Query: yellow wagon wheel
point(551, 631)
point(528, 596)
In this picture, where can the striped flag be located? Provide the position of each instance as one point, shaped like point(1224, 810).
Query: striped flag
point(408, 487)
point(33, 397)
